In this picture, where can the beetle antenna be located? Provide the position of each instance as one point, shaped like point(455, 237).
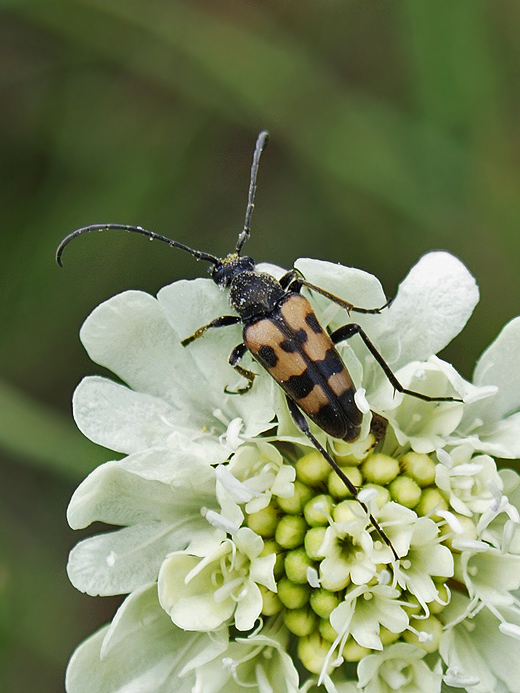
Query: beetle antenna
point(198, 254)
point(260, 145)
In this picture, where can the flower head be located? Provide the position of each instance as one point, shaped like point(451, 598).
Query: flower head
point(246, 560)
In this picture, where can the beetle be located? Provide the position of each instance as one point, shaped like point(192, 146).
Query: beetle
point(283, 334)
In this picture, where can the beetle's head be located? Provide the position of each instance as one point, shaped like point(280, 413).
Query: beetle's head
point(228, 267)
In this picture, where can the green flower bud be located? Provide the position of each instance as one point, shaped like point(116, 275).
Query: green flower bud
point(312, 651)
point(291, 595)
point(313, 468)
point(405, 491)
point(291, 531)
point(271, 605)
point(353, 651)
point(264, 522)
point(383, 494)
point(294, 505)
point(431, 498)
point(323, 602)
point(313, 541)
point(343, 512)
point(336, 485)
point(387, 637)
point(380, 469)
point(420, 467)
point(296, 564)
point(432, 626)
point(353, 454)
point(301, 622)
point(327, 631)
point(318, 510)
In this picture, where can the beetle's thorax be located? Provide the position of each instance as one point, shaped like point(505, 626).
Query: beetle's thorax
point(254, 294)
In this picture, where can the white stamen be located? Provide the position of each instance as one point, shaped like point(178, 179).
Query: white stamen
point(510, 629)
point(361, 400)
point(219, 522)
point(312, 577)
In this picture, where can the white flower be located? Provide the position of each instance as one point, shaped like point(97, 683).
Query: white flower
point(245, 557)
point(426, 558)
point(363, 612)
point(400, 667)
point(203, 586)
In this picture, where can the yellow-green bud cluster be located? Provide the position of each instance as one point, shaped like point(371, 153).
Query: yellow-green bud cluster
point(294, 529)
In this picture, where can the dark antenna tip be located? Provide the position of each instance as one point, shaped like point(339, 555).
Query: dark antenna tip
point(261, 142)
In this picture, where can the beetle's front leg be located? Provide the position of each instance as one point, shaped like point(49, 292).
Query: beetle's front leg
point(223, 321)
point(237, 353)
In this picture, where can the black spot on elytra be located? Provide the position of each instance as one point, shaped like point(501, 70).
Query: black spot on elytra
point(301, 336)
point(288, 345)
point(299, 386)
point(331, 364)
point(267, 356)
point(312, 322)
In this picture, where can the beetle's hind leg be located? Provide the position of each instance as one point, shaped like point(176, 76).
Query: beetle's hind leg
point(223, 321)
point(348, 331)
point(302, 423)
point(294, 281)
point(234, 358)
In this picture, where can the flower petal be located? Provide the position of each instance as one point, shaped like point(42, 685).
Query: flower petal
point(120, 419)
point(125, 492)
point(432, 305)
point(119, 562)
point(141, 651)
point(499, 365)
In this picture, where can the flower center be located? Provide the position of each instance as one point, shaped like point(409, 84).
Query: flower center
point(325, 546)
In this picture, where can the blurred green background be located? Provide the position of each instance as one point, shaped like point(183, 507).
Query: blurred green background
point(394, 130)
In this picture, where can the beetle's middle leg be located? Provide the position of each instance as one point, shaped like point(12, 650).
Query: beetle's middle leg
point(294, 281)
point(348, 331)
point(302, 423)
point(223, 321)
point(234, 358)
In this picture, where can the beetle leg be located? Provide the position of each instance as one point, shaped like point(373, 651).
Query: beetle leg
point(223, 321)
point(349, 307)
point(294, 281)
point(302, 423)
point(348, 331)
point(234, 358)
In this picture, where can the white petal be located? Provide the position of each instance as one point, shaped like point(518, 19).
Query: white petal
point(119, 562)
point(499, 365)
point(125, 492)
point(433, 303)
point(142, 652)
point(191, 605)
point(248, 608)
point(482, 650)
point(130, 335)
point(118, 418)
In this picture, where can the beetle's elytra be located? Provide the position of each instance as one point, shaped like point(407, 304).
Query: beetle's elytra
point(295, 350)
point(284, 336)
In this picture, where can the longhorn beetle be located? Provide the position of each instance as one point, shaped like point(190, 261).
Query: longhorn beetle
point(282, 333)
